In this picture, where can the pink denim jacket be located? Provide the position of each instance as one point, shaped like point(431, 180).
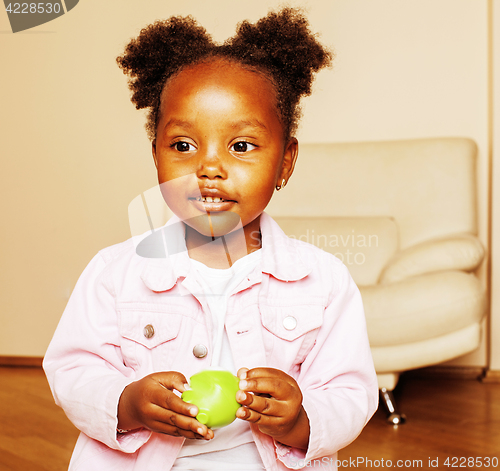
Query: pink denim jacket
point(100, 347)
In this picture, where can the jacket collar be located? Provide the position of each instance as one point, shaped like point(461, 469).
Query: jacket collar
point(280, 257)
point(161, 274)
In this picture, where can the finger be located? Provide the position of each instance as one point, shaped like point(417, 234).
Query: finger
point(262, 404)
point(273, 386)
point(257, 418)
point(265, 372)
point(242, 373)
point(162, 427)
point(181, 422)
point(171, 402)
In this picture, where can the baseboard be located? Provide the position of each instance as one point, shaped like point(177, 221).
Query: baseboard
point(491, 376)
point(449, 372)
point(26, 362)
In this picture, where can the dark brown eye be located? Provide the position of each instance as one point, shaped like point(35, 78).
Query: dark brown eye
point(182, 146)
point(243, 146)
point(240, 147)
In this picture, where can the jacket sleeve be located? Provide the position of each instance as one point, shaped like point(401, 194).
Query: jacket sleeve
point(337, 379)
point(84, 365)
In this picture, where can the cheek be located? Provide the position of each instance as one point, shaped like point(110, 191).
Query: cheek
point(170, 168)
point(262, 187)
point(168, 172)
point(264, 197)
point(175, 189)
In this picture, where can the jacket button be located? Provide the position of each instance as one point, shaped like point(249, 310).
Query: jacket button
point(289, 323)
point(149, 331)
point(200, 351)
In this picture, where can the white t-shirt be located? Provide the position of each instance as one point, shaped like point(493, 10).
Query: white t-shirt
point(232, 448)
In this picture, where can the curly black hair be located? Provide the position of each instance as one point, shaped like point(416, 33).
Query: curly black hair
point(280, 46)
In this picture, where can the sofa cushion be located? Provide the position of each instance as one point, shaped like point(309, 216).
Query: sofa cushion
point(364, 244)
point(460, 252)
point(395, 358)
point(422, 307)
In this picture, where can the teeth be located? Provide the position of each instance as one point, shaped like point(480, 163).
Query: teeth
point(210, 199)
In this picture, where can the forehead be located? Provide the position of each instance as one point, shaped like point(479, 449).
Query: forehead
point(219, 78)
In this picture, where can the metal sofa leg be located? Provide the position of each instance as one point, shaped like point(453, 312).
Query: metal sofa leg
point(393, 415)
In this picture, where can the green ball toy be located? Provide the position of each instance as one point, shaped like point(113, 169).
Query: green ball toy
point(214, 393)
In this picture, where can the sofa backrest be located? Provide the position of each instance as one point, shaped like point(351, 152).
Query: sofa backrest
point(427, 185)
point(365, 245)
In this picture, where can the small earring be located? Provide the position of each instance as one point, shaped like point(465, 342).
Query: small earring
point(279, 187)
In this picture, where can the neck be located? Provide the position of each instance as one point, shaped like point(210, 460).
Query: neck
point(222, 251)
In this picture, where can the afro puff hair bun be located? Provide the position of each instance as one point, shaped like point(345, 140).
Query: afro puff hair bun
point(279, 45)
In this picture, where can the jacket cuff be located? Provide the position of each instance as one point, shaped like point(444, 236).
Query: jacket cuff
point(102, 423)
point(297, 458)
point(292, 458)
point(131, 441)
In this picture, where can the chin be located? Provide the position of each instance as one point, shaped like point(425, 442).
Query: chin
point(216, 224)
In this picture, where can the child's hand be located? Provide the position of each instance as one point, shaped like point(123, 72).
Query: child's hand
point(152, 404)
point(273, 400)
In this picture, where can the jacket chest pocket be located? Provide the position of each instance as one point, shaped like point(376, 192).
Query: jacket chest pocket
point(290, 331)
point(147, 336)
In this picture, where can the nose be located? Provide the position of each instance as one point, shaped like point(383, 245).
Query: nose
point(211, 164)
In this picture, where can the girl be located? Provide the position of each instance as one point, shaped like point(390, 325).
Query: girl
point(233, 291)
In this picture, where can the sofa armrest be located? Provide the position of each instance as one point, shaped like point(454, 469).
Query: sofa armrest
point(460, 252)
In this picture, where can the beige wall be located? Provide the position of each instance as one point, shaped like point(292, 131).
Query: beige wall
point(74, 153)
point(495, 235)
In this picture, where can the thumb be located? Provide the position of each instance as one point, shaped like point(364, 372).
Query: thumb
point(172, 380)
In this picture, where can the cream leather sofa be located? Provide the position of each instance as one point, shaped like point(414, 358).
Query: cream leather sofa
point(402, 216)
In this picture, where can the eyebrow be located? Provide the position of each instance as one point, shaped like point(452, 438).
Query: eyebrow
point(178, 123)
point(249, 124)
point(237, 125)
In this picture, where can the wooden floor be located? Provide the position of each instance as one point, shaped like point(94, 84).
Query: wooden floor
point(446, 418)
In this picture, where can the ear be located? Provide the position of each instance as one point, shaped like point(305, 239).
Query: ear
point(153, 150)
point(289, 158)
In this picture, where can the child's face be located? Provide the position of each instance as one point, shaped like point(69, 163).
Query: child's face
point(219, 129)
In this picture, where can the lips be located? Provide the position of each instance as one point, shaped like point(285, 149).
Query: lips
point(212, 199)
